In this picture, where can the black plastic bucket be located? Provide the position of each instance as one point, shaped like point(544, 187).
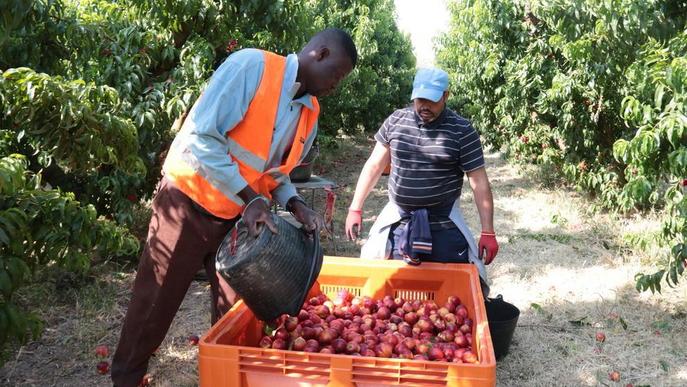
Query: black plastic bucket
point(273, 272)
point(503, 318)
point(302, 172)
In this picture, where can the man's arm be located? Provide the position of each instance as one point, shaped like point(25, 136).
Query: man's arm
point(219, 109)
point(369, 176)
point(484, 201)
point(286, 191)
point(287, 195)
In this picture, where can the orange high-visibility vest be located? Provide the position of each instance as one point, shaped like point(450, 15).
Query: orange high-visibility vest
point(249, 147)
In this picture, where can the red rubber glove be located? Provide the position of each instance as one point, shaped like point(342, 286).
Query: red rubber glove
point(488, 246)
point(354, 223)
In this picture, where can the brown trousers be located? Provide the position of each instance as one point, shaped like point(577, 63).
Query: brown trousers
point(181, 240)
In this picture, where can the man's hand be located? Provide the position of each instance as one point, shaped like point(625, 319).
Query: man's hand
point(258, 211)
point(488, 246)
point(354, 224)
point(310, 219)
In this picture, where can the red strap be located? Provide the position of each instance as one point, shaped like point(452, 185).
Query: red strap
point(234, 234)
point(329, 208)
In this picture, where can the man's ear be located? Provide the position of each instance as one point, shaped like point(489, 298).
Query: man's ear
point(446, 95)
point(322, 53)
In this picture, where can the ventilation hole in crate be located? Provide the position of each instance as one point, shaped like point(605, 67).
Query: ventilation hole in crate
point(414, 295)
point(331, 290)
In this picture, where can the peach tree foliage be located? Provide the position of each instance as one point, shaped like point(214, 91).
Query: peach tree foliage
point(382, 80)
point(155, 56)
point(93, 91)
point(88, 94)
point(655, 158)
point(39, 226)
point(594, 90)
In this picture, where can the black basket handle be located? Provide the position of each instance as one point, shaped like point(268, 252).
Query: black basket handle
point(313, 263)
point(498, 298)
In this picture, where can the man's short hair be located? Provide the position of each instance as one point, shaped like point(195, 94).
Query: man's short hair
point(341, 38)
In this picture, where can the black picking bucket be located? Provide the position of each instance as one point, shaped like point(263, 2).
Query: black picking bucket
point(272, 273)
point(503, 318)
point(302, 173)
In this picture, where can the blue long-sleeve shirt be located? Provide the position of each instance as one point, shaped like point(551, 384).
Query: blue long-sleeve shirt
point(223, 105)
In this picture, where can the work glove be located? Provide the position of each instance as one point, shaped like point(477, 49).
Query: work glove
point(354, 223)
point(488, 247)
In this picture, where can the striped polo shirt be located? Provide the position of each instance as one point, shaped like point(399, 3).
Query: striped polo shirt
point(428, 161)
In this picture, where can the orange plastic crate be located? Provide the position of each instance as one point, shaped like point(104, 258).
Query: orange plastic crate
point(229, 356)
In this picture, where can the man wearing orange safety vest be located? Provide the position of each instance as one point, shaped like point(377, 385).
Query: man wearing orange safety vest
point(252, 125)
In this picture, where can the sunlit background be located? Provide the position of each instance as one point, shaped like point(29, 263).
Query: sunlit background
point(423, 20)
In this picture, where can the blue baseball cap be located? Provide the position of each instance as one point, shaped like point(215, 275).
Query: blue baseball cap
point(430, 83)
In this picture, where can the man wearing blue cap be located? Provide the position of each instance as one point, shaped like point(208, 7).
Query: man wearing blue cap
point(430, 148)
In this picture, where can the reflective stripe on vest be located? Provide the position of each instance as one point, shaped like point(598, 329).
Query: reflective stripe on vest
point(249, 147)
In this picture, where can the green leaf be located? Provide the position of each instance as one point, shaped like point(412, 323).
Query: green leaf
point(661, 325)
point(620, 149)
point(4, 238)
point(18, 270)
point(672, 275)
point(17, 322)
point(269, 329)
point(664, 365)
point(579, 322)
point(4, 325)
point(658, 96)
point(5, 284)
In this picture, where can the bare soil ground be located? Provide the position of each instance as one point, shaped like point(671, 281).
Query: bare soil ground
point(566, 267)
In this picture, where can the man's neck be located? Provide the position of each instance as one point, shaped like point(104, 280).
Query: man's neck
point(299, 79)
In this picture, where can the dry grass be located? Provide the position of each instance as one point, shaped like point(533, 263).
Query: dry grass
point(561, 264)
point(90, 314)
